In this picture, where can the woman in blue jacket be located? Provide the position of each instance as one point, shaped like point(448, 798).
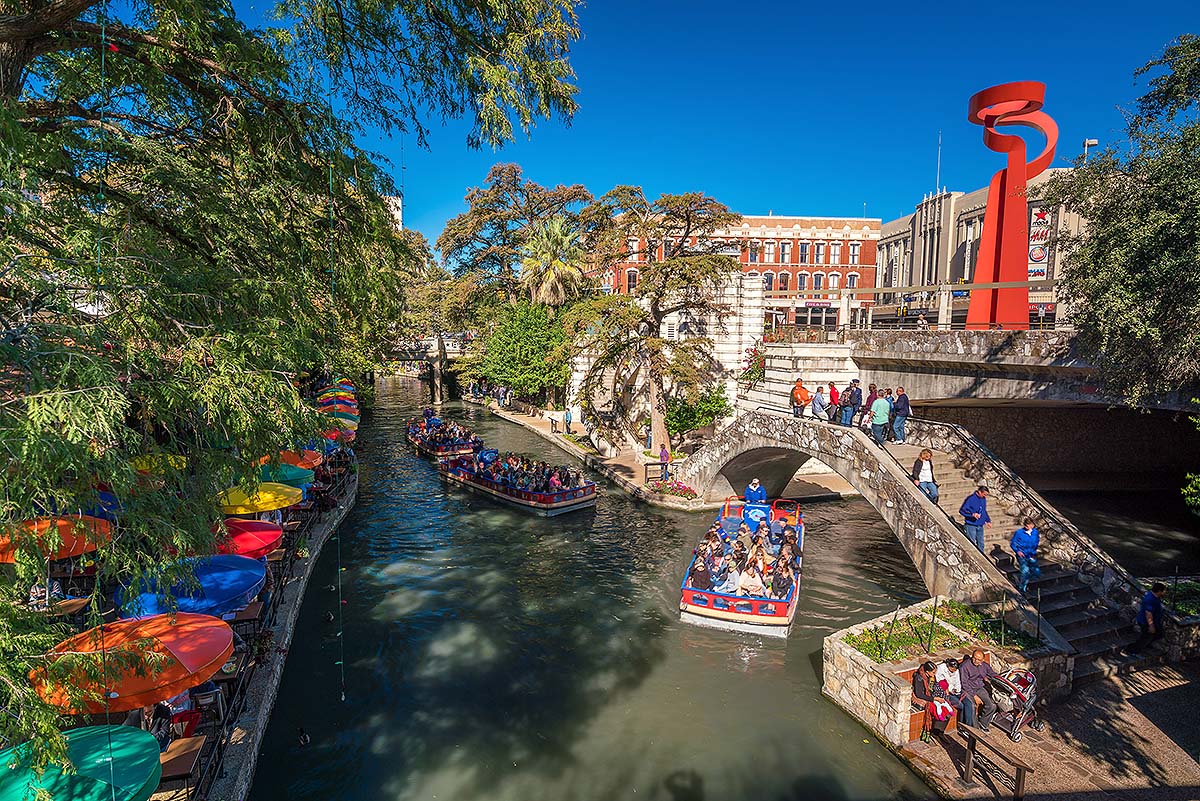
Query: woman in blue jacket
point(756, 493)
point(1024, 544)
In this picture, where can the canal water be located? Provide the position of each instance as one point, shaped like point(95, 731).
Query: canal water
point(493, 655)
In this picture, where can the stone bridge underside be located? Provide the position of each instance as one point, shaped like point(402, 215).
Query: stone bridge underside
point(773, 446)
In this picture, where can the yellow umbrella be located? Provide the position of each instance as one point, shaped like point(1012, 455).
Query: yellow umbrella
point(158, 462)
point(270, 496)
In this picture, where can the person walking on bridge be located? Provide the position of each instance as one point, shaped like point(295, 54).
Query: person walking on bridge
point(1024, 544)
point(902, 409)
point(922, 475)
point(820, 406)
point(975, 516)
point(880, 412)
point(800, 398)
point(1150, 617)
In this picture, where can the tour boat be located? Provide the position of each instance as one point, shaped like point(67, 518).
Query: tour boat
point(418, 435)
point(771, 617)
point(547, 504)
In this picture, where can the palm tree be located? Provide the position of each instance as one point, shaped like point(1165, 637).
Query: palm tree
point(551, 267)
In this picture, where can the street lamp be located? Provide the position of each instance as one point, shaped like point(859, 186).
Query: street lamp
point(1089, 143)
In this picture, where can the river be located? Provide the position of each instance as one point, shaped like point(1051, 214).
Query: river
point(493, 655)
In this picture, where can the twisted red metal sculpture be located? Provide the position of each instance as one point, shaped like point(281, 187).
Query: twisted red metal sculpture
point(1004, 243)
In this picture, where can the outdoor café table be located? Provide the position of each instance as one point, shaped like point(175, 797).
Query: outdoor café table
point(221, 677)
point(248, 617)
point(68, 607)
point(277, 555)
point(180, 759)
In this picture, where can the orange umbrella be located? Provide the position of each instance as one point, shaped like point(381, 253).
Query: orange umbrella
point(307, 460)
point(339, 435)
point(187, 650)
point(59, 537)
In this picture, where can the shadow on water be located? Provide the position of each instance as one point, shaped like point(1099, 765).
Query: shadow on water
point(491, 655)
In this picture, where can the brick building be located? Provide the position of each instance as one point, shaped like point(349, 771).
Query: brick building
point(807, 255)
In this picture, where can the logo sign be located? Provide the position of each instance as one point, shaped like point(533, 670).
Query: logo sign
point(1039, 243)
point(1037, 254)
point(818, 304)
point(1037, 272)
point(1041, 308)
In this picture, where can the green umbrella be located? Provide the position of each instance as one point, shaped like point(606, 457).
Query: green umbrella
point(343, 415)
point(111, 762)
point(287, 474)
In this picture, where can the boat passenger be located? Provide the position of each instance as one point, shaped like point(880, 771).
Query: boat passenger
point(699, 578)
point(555, 483)
point(732, 581)
point(781, 580)
point(751, 583)
point(755, 492)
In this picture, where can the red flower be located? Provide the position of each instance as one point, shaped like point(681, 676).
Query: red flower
point(112, 46)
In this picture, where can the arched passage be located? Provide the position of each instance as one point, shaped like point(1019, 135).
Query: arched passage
point(773, 467)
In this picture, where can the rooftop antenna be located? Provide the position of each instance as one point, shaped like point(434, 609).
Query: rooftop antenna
point(938, 182)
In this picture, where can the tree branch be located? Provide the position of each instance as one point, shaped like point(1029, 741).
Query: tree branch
point(52, 15)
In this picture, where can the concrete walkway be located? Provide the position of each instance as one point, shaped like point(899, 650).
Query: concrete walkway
point(1132, 738)
point(630, 474)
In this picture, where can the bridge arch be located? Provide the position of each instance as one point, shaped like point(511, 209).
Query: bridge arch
point(765, 444)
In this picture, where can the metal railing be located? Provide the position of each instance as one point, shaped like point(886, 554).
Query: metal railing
point(1021, 768)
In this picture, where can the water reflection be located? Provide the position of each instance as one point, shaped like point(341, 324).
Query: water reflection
point(493, 655)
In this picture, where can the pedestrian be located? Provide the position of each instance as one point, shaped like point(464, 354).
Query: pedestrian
point(974, 674)
point(975, 515)
point(800, 398)
point(880, 411)
point(922, 323)
point(820, 406)
point(833, 397)
point(1024, 545)
point(872, 396)
point(948, 679)
point(552, 416)
point(664, 458)
point(902, 410)
point(922, 475)
point(567, 419)
point(1150, 617)
point(851, 402)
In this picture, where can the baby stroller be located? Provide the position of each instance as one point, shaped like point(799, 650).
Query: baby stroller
point(1015, 693)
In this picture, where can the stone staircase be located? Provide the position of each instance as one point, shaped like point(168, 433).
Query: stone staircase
point(1094, 627)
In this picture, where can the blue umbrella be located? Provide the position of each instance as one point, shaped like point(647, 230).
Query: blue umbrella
point(227, 582)
point(107, 507)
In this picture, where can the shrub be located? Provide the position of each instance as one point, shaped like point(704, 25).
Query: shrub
point(989, 631)
point(676, 488)
point(909, 638)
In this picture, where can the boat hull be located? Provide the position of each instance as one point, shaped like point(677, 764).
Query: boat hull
point(442, 451)
point(538, 503)
point(767, 617)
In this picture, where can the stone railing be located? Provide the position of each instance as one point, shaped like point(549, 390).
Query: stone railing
point(1061, 541)
point(879, 695)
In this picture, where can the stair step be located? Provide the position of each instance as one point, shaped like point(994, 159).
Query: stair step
point(1113, 629)
point(1082, 618)
point(1097, 648)
point(1096, 668)
point(1052, 609)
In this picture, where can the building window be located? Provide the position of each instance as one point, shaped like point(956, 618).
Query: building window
point(802, 282)
point(634, 255)
point(770, 253)
point(835, 253)
point(854, 248)
point(820, 248)
point(631, 279)
point(754, 246)
point(768, 282)
point(852, 281)
point(818, 281)
point(833, 280)
point(784, 280)
point(785, 252)
point(804, 253)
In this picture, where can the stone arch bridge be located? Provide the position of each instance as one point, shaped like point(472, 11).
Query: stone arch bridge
point(773, 445)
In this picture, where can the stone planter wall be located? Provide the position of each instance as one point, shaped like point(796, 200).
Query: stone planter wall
point(877, 696)
point(1183, 635)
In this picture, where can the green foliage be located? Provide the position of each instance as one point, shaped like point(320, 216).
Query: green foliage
point(908, 638)
point(983, 629)
point(676, 488)
point(702, 409)
point(524, 351)
point(552, 264)
point(1185, 598)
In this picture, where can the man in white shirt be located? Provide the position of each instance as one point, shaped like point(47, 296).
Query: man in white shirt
point(947, 672)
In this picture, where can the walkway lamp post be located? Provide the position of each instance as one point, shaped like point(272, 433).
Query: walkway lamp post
point(1089, 143)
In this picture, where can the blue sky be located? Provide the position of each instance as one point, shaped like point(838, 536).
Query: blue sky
point(801, 108)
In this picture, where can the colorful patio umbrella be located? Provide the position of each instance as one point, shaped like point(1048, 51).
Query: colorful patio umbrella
point(340, 407)
point(269, 497)
point(251, 538)
point(157, 463)
point(289, 474)
point(112, 763)
point(227, 582)
point(339, 435)
point(187, 650)
point(351, 416)
point(58, 537)
point(336, 395)
point(308, 459)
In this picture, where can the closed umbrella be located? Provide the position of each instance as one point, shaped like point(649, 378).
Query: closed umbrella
point(339, 435)
point(251, 538)
point(224, 583)
point(112, 763)
point(307, 459)
point(287, 474)
point(138, 662)
point(269, 497)
point(340, 407)
point(57, 537)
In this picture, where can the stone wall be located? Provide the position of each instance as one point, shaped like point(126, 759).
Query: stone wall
point(877, 696)
point(946, 560)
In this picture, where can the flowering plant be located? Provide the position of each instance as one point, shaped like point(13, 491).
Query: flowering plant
point(756, 366)
point(676, 488)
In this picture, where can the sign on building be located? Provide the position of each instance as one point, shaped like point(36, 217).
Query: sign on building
point(1039, 243)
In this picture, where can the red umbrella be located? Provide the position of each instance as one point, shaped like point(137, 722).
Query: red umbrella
point(252, 538)
point(58, 537)
point(135, 663)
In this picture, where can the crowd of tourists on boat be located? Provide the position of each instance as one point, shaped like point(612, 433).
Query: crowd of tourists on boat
point(523, 473)
point(435, 431)
point(759, 564)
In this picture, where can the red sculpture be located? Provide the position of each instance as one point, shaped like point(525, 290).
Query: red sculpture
point(1004, 243)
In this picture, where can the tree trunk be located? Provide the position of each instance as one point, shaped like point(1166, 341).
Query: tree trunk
point(658, 410)
point(436, 368)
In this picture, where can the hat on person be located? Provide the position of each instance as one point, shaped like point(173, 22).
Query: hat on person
point(753, 481)
point(855, 381)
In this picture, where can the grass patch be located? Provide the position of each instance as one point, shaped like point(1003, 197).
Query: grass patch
point(989, 631)
point(909, 638)
point(583, 442)
point(1186, 601)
